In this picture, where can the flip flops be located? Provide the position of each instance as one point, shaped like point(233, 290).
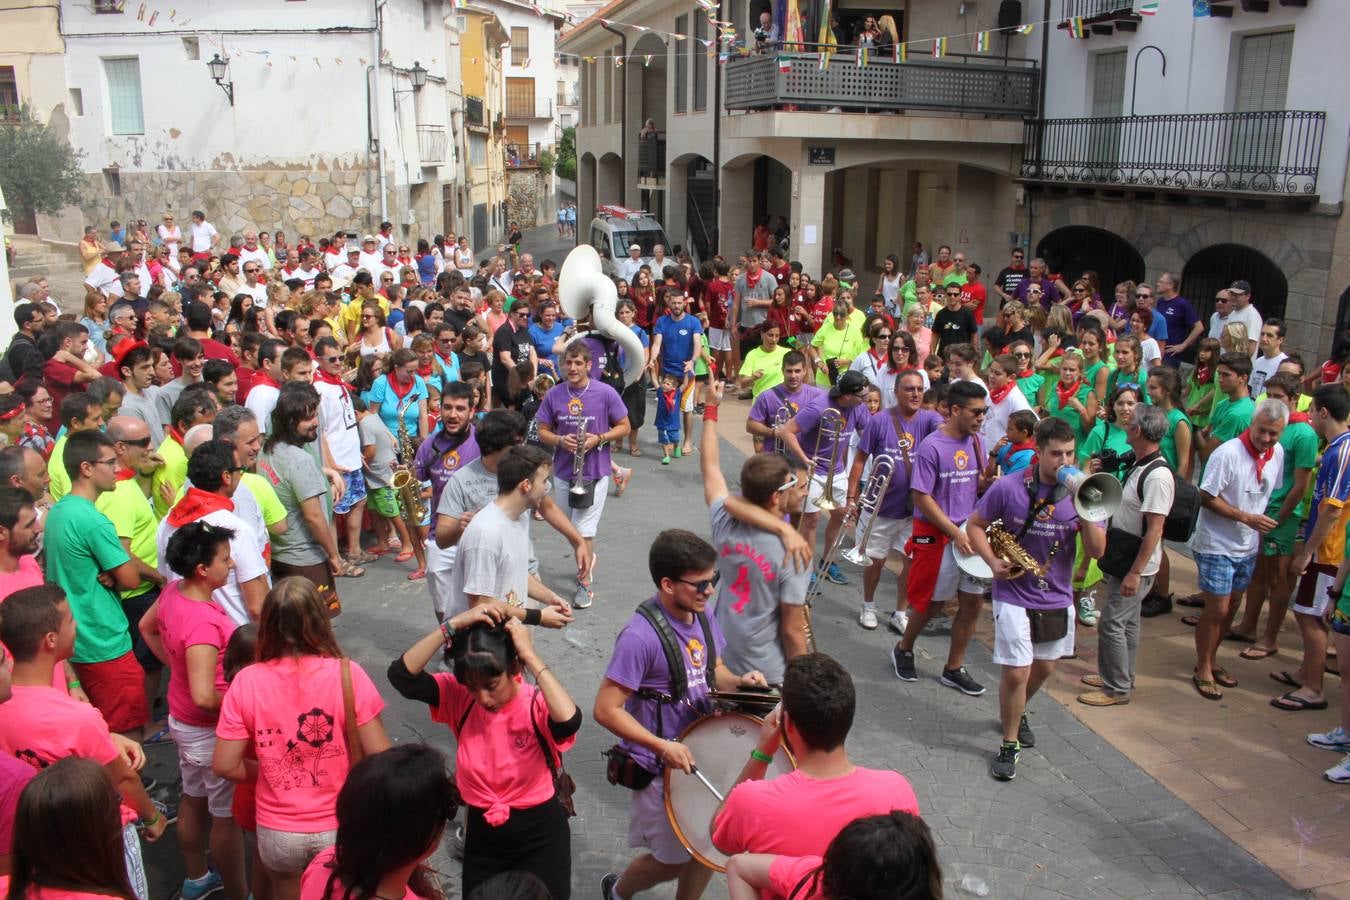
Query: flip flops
point(1222, 677)
point(1285, 678)
point(1256, 653)
point(1206, 688)
point(1290, 702)
point(1236, 638)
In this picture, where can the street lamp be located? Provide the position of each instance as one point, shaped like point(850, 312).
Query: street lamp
point(418, 76)
point(219, 68)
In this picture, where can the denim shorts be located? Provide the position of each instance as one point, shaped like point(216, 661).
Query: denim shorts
point(1223, 575)
point(668, 435)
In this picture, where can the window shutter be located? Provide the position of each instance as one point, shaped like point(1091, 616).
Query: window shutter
point(1108, 84)
point(1263, 72)
point(124, 95)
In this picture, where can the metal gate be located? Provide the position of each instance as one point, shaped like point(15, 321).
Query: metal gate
point(1216, 267)
point(1072, 251)
point(480, 225)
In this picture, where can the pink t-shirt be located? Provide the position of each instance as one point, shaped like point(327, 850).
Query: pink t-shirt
point(48, 893)
point(314, 880)
point(14, 775)
point(751, 821)
point(498, 763)
point(291, 710)
point(787, 872)
point(185, 623)
point(29, 574)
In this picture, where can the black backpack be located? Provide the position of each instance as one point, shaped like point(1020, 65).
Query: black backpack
point(670, 645)
point(1185, 511)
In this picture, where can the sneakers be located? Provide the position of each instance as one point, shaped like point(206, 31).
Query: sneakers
point(607, 884)
point(1025, 736)
point(898, 622)
point(834, 574)
point(961, 680)
point(1336, 739)
point(902, 661)
point(868, 618)
point(584, 596)
point(1087, 611)
point(1005, 764)
point(1339, 773)
point(1155, 605)
point(149, 783)
point(194, 889)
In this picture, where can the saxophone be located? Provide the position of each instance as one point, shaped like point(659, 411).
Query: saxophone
point(404, 482)
point(1005, 547)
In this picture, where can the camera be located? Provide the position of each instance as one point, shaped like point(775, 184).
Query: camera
point(1114, 462)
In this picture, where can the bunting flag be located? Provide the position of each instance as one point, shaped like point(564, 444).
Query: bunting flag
point(1076, 28)
point(939, 47)
point(722, 59)
point(1199, 8)
point(526, 63)
point(860, 57)
point(784, 63)
point(982, 42)
point(897, 53)
point(618, 62)
point(153, 16)
point(1025, 29)
point(1148, 8)
point(140, 15)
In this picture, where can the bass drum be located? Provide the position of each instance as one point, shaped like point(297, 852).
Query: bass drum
point(720, 744)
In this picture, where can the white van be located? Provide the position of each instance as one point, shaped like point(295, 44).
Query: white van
point(615, 228)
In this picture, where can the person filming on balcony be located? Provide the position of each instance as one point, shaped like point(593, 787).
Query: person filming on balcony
point(766, 34)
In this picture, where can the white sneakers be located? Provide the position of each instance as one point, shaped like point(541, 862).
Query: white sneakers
point(868, 618)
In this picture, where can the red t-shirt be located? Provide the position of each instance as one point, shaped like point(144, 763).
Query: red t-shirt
point(211, 349)
point(245, 376)
point(717, 295)
point(59, 378)
point(972, 298)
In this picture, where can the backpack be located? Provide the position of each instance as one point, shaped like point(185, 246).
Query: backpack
point(1185, 511)
point(612, 373)
point(670, 645)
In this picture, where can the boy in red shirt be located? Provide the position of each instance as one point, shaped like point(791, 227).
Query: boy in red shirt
point(717, 298)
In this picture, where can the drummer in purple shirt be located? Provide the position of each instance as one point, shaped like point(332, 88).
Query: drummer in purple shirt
point(580, 399)
point(1033, 627)
point(683, 566)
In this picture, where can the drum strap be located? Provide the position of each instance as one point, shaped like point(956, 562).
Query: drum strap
point(670, 645)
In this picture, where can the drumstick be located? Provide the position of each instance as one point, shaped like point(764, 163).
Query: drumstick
point(707, 784)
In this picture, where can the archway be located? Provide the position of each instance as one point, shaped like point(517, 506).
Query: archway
point(1217, 266)
point(692, 214)
point(1075, 249)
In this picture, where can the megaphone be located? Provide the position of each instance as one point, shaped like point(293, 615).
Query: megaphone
point(1094, 496)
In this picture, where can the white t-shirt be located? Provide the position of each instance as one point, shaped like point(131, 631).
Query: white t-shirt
point(995, 426)
point(262, 399)
point(493, 559)
point(1148, 349)
point(628, 267)
point(1159, 490)
point(1262, 368)
point(337, 418)
point(1251, 318)
point(371, 262)
point(258, 292)
point(171, 239)
point(201, 236)
point(244, 550)
point(1217, 325)
point(258, 256)
point(1230, 475)
point(104, 279)
point(306, 275)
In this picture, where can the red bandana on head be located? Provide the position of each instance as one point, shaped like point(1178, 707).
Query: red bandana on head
point(1259, 459)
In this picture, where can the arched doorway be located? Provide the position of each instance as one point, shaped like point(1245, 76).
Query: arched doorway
point(1216, 267)
point(1073, 250)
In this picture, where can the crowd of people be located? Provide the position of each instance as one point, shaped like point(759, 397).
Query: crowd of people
point(197, 471)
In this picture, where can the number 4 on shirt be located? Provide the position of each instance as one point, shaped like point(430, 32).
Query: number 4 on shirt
point(740, 589)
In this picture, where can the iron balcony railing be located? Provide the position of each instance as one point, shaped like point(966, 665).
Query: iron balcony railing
point(651, 157)
point(473, 111)
point(1273, 152)
point(1092, 9)
point(431, 142)
point(955, 83)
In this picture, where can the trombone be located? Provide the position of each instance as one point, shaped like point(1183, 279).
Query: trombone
point(869, 503)
point(830, 428)
point(780, 420)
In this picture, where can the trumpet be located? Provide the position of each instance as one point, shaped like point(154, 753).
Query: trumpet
point(869, 502)
point(780, 420)
point(830, 428)
point(579, 458)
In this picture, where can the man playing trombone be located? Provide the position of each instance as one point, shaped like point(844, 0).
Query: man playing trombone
point(1032, 625)
point(824, 423)
point(885, 522)
point(773, 408)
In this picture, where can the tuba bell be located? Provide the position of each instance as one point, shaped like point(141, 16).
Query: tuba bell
point(584, 291)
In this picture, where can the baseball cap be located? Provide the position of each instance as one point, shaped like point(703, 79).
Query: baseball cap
point(637, 247)
point(847, 275)
point(368, 239)
point(1241, 287)
point(850, 384)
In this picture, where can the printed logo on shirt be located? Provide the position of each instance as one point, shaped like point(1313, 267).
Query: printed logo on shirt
point(961, 458)
point(696, 651)
point(575, 406)
point(1046, 513)
point(31, 757)
point(450, 462)
point(296, 762)
point(905, 441)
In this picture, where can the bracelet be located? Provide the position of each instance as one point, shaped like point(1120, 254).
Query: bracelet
point(73, 684)
point(710, 413)
point(447, 632)
point(542, 670)
point(759, 756)
point(533, 616)
point(151, 823)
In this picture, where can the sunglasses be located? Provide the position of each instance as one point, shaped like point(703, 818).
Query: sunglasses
point(705, 585)
point(329, 359)
point(882, 337)
point(1144, 296)
point(143, 443)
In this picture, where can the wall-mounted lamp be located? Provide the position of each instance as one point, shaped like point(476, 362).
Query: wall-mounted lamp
point(219, 68)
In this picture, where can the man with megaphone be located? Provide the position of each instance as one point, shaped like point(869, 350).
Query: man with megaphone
point(1040, 508)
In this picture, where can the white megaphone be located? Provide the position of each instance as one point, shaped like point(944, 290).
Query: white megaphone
point(584, 291)
point(1094, 496)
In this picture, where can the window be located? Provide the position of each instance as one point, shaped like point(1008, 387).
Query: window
point(1263, 72)
point(607, 86)
point(124, 95)
point(9, 96)
point(700, 63)
point(520, 97)
point(682, 65)
point(461, 24)
point(76, 102)
point(520, 46)
point(562, 93)
point(477, 150)
point(192, 48)
point(1108, 84)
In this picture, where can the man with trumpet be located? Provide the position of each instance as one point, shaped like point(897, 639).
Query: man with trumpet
point(773, 408)
point(1032, 625)
point(884, 510)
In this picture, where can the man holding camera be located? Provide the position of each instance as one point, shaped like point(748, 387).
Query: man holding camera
point(1145, 500)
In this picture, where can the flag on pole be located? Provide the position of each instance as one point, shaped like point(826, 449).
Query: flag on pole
point(826, 37)
point(982, 42)
point(794, 34)
point(784, 63)
point(897, 52)
point(1076, 27)
point(860, 57)
point(939, 47)
point(1148, 8)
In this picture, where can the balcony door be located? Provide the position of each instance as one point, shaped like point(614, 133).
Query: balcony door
point(1108, 104)
point(1262, 86)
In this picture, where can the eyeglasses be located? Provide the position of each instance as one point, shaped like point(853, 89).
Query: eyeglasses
point(882, 337)
point(976, 411)
point(143, 443)
point(706, 584)
point(329, 359)
point(106, 462)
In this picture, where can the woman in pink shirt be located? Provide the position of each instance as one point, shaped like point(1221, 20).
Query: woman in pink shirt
point(188, 632)
point(509, 737)
point(391, 814)
point(290, 707)
point(68, 836)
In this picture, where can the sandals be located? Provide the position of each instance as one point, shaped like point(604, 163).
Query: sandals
point(349, 570)
point(1194, 601)
point(634, 451)
point(1286, 678)
point(1290, 702)
point(360, 559)
point(403, 556)
point(1236, 638)
point(417, 575)
point(1190, 620)
point(1222, 678)
point(1206, 688)
point(1256, 653)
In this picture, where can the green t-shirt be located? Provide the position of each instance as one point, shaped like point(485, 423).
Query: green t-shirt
point(1169, 441)
point(1103, 435)
point(836, 343)
point(1090, 376)
point(954, 277)
point(1030, 387)
point(1231, 417)
point(173, 473)
point(1299, 441)
point(1070, 414)
point(134, 518)
point(81, 543)
point(1202, 396)
point(269, 504)
point(701, 363)
point(56, 470)
point(771, 364)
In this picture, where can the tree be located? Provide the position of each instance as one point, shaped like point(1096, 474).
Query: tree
point(566, 167)
point(39, 170)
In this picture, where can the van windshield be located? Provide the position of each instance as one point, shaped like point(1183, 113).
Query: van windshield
point(644, 239)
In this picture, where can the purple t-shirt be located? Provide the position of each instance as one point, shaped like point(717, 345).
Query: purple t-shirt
point(948, 470)
point(639, 663)
point(768, 403)
point(441, 456)
point(1180, 317)
point(808, 423)
point(563, 410)
point(1048, 291)
point(1053, 532)
point(880, 436)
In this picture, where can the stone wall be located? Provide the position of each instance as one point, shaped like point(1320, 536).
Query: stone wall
point(525, 196)
point(1167, 235)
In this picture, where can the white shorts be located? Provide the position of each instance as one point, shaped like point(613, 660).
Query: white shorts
point(440, 563)
point(952, 579)
point(131, 858)
point(196, 745)
point(719, 339)
point(817, 490)
point(1322, 579)
point(1012, 638)
point(289, 852)
point(887, 535)
point(586, 521)
point(649, 827)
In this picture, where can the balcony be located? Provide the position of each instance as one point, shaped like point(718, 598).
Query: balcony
point(1260, 153)
point(651, 161)
point(473, 111)
point(431, 144)
point(956, 83)
point(1100, 16)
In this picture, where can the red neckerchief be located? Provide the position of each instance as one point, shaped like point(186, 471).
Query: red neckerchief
point(1063, 394)
point(125, 474)
point(175, 434)
point(321, 376)
point(261, 377)
point(395, 387)
point(669, 397)
point(1300, 417)
point(1027, 373)
point(1259, 459)
point(996, 395)
point(196, 504)
point(290, 272)
point(1019, 447)
point(751, 282)
point(1202, 374)
point(878, 357)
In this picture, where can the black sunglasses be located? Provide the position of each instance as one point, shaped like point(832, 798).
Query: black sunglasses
point(703, 586)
